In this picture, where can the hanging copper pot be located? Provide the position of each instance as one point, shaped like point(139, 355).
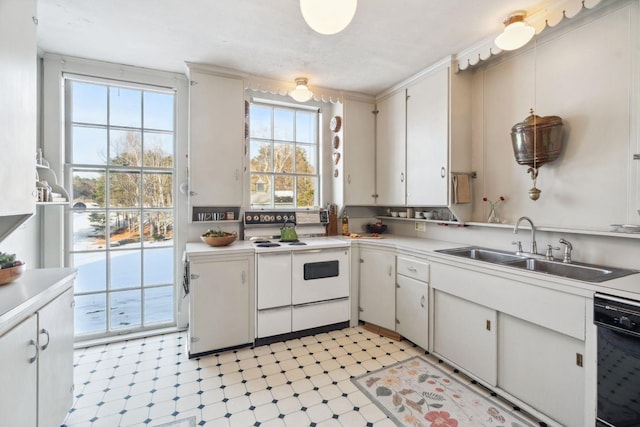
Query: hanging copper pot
point(537, 140)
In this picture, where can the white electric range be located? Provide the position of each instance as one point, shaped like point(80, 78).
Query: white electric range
point(302, 287)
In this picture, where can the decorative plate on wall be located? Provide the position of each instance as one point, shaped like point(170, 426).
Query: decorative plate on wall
point(335, 124)
point(336, 142)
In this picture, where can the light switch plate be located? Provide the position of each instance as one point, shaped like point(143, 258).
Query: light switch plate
point(420, 226)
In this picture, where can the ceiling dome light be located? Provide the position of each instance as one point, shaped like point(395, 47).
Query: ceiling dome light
point(517, 32)
point(301, 93)
point(328, 16)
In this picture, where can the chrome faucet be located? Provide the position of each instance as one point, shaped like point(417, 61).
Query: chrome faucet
point(568, 247)
point(534, 245)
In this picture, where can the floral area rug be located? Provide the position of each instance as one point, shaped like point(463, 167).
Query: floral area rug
point(417, 393)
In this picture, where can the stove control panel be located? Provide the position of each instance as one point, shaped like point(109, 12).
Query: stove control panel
point(279, 217)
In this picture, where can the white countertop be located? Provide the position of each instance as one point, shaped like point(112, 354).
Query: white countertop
point(626, 287)
point(34, 289)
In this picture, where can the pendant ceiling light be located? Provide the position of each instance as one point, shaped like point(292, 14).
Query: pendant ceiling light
point(516, 33)
point(328, 16)
point(301, 93)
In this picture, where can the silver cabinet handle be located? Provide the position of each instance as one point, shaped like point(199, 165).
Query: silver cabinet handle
point(412, 269)
point(192, 193)
point(35, 345)
point(349, 178)
point(390, 270)
point(422, 301)
point(443, 172)
point(401, 176)
point(243, 276)
point(44, 347)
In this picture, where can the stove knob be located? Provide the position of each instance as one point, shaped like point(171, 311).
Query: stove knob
point(625, 321)
point(256, 217)
point(247, 218)
point(272, 218)
point(279, 217)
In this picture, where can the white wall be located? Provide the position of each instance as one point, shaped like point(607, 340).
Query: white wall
point(585, 73)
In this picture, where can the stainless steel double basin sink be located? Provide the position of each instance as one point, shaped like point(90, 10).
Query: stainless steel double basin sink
point(575, 270)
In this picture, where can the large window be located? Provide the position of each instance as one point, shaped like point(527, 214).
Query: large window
point(120, 148)
point(284, 156)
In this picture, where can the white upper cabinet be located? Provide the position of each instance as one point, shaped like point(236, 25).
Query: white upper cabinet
point(390, 150)
point(216, 135)
point(359, 153)
point(17, 112)
point(428, 140)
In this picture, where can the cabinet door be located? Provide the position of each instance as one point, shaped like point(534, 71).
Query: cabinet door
point(359, 153)
point(377, 288)
point(18, 109)
point(55, 363)
point(428, 140)
point(274, 280)
point(390, 150)
point(216, 132)
point(465, 334)
point(541, 367)
point(219, 305)
point(18, 375)
point(412, 310)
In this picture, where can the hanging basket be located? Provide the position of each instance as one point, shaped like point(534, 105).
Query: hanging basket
point(537, 140)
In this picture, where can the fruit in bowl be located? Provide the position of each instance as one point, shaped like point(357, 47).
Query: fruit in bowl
point(378, 228)
point(218, 238)
point(10, 268)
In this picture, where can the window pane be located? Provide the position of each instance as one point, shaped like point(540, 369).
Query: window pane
point(306, 191)
point(158, 266)
point(157, 190)
point(158, 150)
point(92, 272)
point(88, 103)
point(261, 190)
point(158, 111)
point(284, 192)
point(158, 305)
point(90, 313)
point(260, 156)
point(260, 122)
point(124, 229)
point(305, 159)
point(283, 125)
point(305, 126)
point(126, 269)
point(158, 229)
point(125, 107)
point(126, 309)
point(125, 147)
point(283, 158)
point(89, 145)
point(88, 189)
point(124, 189)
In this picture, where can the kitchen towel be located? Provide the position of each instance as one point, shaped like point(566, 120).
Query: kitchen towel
point(461, 188)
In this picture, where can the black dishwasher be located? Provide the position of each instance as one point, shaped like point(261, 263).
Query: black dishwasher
point(618, 322)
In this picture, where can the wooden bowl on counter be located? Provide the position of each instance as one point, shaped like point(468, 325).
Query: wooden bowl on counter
point(219, 241)
point(8, 275)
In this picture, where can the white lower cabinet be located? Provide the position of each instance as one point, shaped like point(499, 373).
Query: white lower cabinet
point(412, 310)
point(465, 334)
point(19, 373)
point(55, 360)
point(542, 368)
point(37, 366)
point(412, 292)
point(377, 287)
point(220, 308)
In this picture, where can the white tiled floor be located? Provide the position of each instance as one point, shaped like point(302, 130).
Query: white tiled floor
point(301, 382)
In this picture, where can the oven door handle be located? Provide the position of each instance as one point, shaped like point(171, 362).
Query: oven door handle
point(306, 304)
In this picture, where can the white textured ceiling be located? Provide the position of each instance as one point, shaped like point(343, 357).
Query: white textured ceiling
point(387, 41)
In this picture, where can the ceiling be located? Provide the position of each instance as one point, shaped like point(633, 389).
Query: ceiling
point(387, 41)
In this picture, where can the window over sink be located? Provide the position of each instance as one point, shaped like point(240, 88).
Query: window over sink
point(283, 155)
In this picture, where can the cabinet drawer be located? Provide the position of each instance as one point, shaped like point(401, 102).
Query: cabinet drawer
point(274, 321)
point(412, 267)
point(319, 314)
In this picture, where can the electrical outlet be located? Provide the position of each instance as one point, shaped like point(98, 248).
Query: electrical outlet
point(420, 226)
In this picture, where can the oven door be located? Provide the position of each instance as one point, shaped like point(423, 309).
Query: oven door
point(319, 275)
